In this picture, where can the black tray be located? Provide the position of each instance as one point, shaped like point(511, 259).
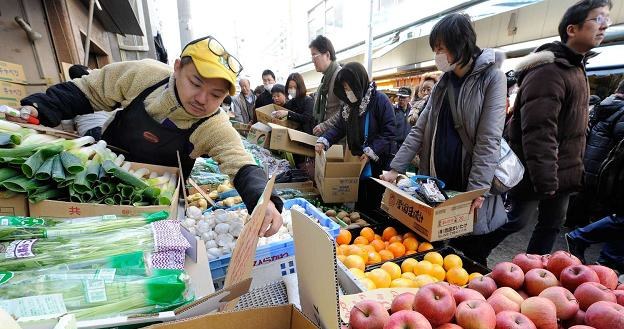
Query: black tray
point(468, 264)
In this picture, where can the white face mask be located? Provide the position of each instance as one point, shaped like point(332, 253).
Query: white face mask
point(442, 63)
point(225, 107)
point(292, 93)
point(269, 86)
point(351, 96)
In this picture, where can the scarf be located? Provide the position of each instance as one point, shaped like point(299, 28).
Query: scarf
point(353, 116)
point(321, 96)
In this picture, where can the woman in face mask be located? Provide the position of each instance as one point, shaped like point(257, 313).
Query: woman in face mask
point(458, 133)
point(299, 106)
point(367, 120)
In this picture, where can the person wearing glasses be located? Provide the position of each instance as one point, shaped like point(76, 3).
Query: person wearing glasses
point(165, 111)
point(326, 103)
point(548, 127)
point(421, 97)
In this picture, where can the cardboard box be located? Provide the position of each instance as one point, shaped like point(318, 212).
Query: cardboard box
point(12, 72)
point(62, 209)
point(318, 298)
point(15, 206)
point(260, 134)
point(447, 220)
point(337, 175)
point(11, 94)
point(291, 140)
point(264, 115)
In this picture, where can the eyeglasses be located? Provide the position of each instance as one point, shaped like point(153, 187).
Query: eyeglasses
point(315, 56)
point(225, 58)
point(601, 20)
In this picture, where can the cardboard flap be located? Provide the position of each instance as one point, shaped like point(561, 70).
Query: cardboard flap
point(319, 298)
point(343, 169)
point(463, 197)
point(244, 251)
point(301, 137)
point(264, 115)
point(397, 190)
point(335, 153)
point(213, 301)
point(261, 127)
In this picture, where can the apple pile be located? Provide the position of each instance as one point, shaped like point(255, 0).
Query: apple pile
point(530, 292)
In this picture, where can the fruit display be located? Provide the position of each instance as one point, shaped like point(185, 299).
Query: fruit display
point(521, 294)
point(408, 272)
point(348, 220)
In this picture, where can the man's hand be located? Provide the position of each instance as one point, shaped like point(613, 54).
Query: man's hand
point(281, 114)
point(364, 157)
point(33, 113)
point(317, 130)
point(319, 147)
point(476, 204)
point(389, 176)
point(272, 221)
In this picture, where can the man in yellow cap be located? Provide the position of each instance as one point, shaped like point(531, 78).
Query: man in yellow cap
point(165, 111)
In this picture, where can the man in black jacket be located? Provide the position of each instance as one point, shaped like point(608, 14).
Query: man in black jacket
point(268, 80)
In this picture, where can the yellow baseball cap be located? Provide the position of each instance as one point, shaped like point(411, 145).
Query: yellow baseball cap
point(208, 63)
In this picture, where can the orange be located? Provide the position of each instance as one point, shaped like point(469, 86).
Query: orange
point(408, 265)
point(341, 257)
point(423, 279)
point(393, 269)
point(397, 249)
point(380, 278)
point(438, 272)
point(410, 252)
point(388, 233)
point(344, 237)
point(378, 237)
point(357, 272)
point(408, 275)
point(396, 238)
point(424, 246)
point(342, 249)
point(386, 255)
point(409, 235)
point(355, 261)
point(373, 258)
point(451, 261)
point(368, 233)
point(474, 275)
point(378, 245)
point(402, 283)
point(367, 247)
point(356, 250)
point(434, 258)
point(410, 244)
point(360, 240)
point(368, 283)
point(423, 267)
point(457, 276)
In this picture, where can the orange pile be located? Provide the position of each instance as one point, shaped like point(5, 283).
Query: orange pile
point(377, 248)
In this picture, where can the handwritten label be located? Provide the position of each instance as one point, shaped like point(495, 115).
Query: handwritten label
point(20, 249)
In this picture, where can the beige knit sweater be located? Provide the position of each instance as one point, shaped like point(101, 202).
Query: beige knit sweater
point(117, 84)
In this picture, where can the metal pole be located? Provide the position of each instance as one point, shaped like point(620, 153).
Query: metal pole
point(184, 15)
point(88, 40)
point(369, 43)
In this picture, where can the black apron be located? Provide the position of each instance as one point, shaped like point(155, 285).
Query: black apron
point(148, 141)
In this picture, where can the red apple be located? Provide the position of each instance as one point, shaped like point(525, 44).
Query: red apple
point(465, 294)
point(435, 303)
point(449, 326)
point(564, 301)
point(475, 314)
point(501, 303)
point(368, 314)
point(507, 274)
point(577, 320)
point(620, 287)
point(407, 320)
point(538, 279)
point(607, 276)
point(560, 260)
point(545, 259)
point(619, 296)
point(450, 287)
point(605, 315)
point(541, 311)
point(483, 284)
point(581, 326)
point(528, 262)
point(591, 292)
point(572, 276)
point(515, 296)
point(404, 301)
point(513, 320)
point(523, 294)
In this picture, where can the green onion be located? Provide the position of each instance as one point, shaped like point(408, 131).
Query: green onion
point(81, 184)
point(21, 184)
point(58, 173)
point(93, 171)
point(128, 178)
point(33, 163)
point(47, 195)
point(44, 172)
point(71, 163)
point(6, 173)
point(166, 195)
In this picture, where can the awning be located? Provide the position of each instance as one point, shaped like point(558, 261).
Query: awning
point(117, 16)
